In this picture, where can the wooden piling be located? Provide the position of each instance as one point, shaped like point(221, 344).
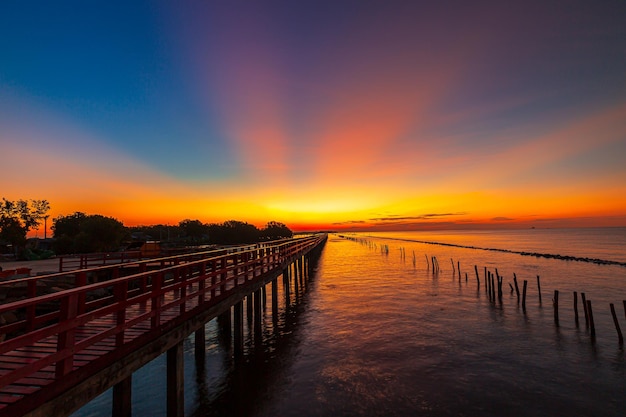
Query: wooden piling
point(486, 283)
point(275, 299)
point(576, 308)
point(516, 287)
point(512, 289)
point(175, 381)
point(478, 280)
point(556, 307)
point(458, 268)
point(249, 312)
point(258, 307)
point(238, 328)
point(524, 295)
point(539, 289)
point(591, 323)
point(199, 344)
point(582, 296)
point(122, 393)
point(619, 331)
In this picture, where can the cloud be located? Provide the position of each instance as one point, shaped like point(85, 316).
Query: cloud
point(422, 217)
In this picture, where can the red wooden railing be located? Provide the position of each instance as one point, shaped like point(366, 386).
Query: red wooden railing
point(90, 260)
point(90, 326)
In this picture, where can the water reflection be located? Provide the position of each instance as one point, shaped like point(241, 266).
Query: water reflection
point(250, 382)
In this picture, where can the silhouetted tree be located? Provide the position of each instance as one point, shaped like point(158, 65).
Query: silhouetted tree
point(17, 218)
point(233, 232)
point(68, 225)
point(275, 230)
point(81, 233)
point(193, 230)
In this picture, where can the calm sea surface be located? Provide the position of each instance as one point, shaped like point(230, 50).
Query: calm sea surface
point(377, 333)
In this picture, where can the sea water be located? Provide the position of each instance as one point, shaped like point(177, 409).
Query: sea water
point(378, 332)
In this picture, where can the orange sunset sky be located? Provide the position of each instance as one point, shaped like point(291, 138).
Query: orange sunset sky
point(359, 115)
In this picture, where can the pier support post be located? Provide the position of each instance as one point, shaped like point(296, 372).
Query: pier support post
point(122, 405)
point(296, 278)
point(249, 308)
point(257, 315)
point(286, 285)
point(199, 343)
point(275, 299)
point(238, 328)
point(264, 296)
point(175, 381)
point(225, 323)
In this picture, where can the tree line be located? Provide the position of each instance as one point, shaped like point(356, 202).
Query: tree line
point(87, 233)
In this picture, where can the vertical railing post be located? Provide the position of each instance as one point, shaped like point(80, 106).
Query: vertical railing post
point(238, 255)
point(223, 276)
point(81, 281)
point(120, 293)
point(213, 277)
point(183, 288)
point(157, 284)
point(65, 341)
point(202, 283)
point(31, 291)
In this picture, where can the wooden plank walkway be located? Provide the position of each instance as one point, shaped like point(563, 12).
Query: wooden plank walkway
point(63, 337)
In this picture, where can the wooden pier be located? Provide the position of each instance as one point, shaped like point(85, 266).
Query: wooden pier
point(69, 346)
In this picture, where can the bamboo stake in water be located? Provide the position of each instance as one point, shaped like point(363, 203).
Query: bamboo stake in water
point(619, 331)
point(524, 295)
point(576, 308)
point(539, 289)
point(516, 286)
point(556, 307)
point(478, 281)
point(582, 296)
point(591, 323)
point(486, 280)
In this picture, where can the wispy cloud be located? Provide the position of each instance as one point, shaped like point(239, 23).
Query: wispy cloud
point(420, 217)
